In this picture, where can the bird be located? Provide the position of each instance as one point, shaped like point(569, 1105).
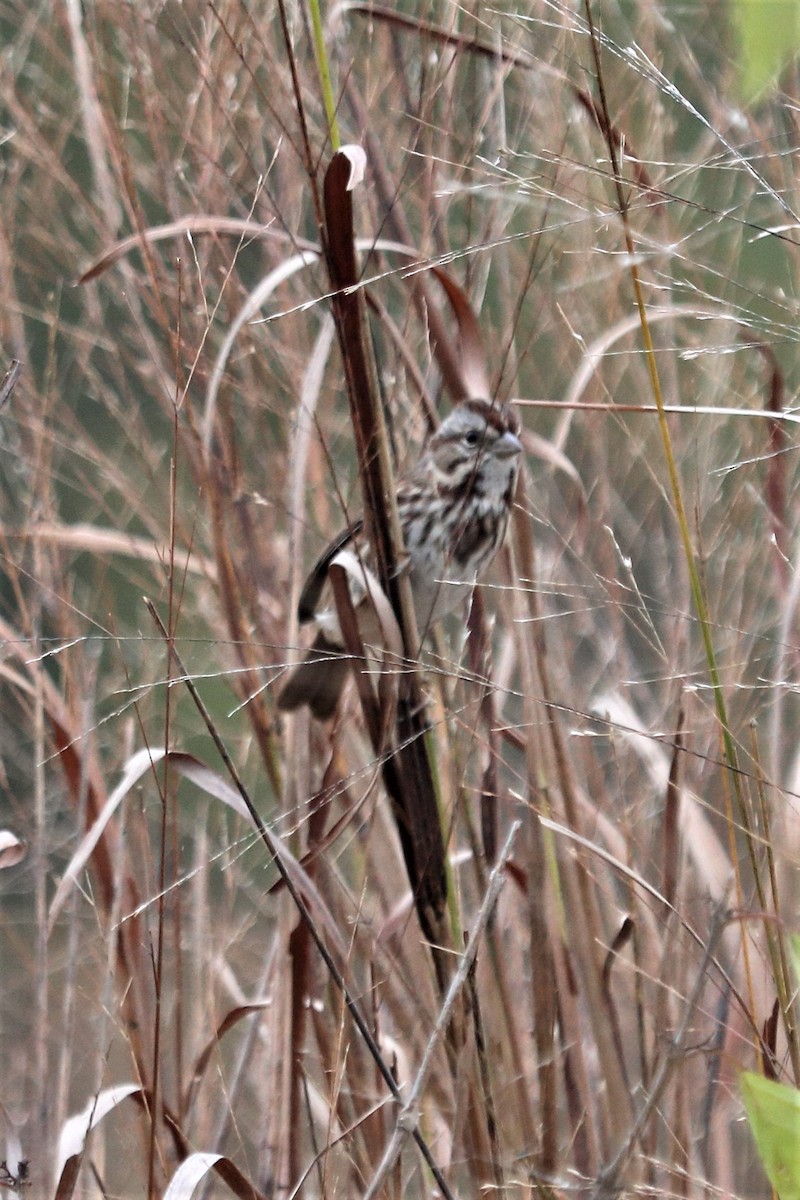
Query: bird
point(454, 507)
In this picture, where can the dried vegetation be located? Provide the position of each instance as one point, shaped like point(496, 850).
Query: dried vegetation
point(609, 739)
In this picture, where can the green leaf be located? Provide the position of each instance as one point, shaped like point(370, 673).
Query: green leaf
point(769, 36)
point(773, 1110)
point(794, 954)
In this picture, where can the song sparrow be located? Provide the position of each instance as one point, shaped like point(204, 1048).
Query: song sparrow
point(453, 510)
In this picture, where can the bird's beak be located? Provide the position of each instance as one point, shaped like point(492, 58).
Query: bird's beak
point(508, 446)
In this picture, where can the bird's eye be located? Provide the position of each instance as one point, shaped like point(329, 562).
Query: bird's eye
point(472, 437)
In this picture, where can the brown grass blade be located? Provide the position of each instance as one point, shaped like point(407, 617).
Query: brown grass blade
point(407, 771)
point(197, 225)
point(672, 806)
point(435, 33)
point(775, 489)
point(230, 1019)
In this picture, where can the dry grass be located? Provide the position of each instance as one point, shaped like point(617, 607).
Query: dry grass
point(163, 443)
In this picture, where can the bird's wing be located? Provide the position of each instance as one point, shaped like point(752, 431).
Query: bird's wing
point(312, 588)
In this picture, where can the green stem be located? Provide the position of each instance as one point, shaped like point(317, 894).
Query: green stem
point(321, 55)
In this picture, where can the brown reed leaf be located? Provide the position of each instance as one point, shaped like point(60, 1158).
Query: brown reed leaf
point(231, 1019)
point(406, 771)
